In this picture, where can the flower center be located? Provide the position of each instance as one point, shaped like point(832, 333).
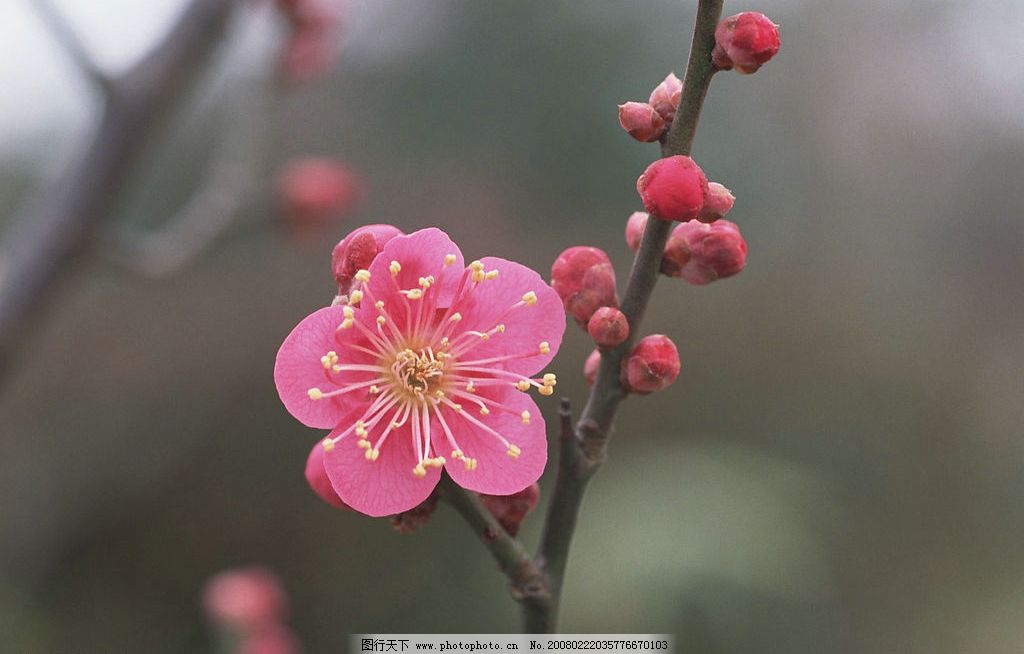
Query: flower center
point(418, 373)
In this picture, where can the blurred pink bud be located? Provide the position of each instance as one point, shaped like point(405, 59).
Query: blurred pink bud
point(608, 327)
point(244, 598)
point(745, 41)
point(316, 476)
point(701, 253)
point(665, 97)
point(673, 188)
point(269, 639)
point(409, 521)
point(511, 510)
point(718, 203)
point(315, 190)
point(357, 250)
point(651, 366)
point(590, 367)
point(310, 46)
point(641, 121)
point(635, 227)
point(585, 280)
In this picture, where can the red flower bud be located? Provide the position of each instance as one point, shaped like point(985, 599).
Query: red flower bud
point(316, 476)
point(665, 97)
point(585, 280)
point(511, 510)
point(673, 188)
point(608, 327)
point(718, 203)
point(745, 41)
point(357, 250)
point(244, 598)
point(635, 227)
point(701, 253)
point(315, 190)
point(590, 367)
point(651, 366)
point(409, 521)
point(641, 121)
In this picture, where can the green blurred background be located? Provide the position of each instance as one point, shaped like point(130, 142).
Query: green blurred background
point(839, 467)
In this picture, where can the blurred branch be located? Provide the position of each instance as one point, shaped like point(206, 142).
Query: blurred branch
point(208, 214)
point(526, 579)
point(583, 451)
point(57, 223)
point(73, 46)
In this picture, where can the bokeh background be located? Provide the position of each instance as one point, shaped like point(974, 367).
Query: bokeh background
point(839, 468)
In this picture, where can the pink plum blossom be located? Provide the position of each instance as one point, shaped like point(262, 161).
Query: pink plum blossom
point(429, 365)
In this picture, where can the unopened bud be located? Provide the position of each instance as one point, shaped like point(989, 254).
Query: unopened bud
point(718, 203)
point(356, 251)
point(585, 280)
point(590, 367)
point(316, 190)
point(701, 253)
point(244, 598)
point(608, 327)
point(745, 41)
point(317, 478)
point(665, 97)
point(511, 510)
point(673, 188)
point(641, 121)
point(635, 227)
point(409, 521)
point(651, 366)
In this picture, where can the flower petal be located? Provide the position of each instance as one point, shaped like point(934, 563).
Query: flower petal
point(496, 472)
point(526, 327)
point(298, 368)
point(382, 487)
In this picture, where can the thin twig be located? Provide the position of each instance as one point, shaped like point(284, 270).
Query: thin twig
point(583, 453)
point(73, 46)
point(526, 581)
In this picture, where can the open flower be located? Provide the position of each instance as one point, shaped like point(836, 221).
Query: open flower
point(428, 366)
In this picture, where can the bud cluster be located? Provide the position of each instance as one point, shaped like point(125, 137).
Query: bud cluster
point(650, 121)
point(697, 252)
point(585, 280)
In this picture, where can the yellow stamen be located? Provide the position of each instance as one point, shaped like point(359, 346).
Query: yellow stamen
point(546, 390)
point(491, 274)
point(381, 320)
point(456, 317)
point(449, 259)
point(379, 304)
point(526, 417)
point(395, 268)
point(470, 388)
point(363, 443)
point(355, 298)
point(346, 323)
point(374, 389)
point(523, 385)
point(413, 294)
point(419, 471)
point(545, 347)
point(484, 411)
point(363, 276)
point(327, 444)
point(514, 451)
point(550, 379)
point(530, 298)
point(315, 393)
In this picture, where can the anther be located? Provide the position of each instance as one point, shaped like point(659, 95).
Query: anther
point(546, 390)
point(381, 320)
point(491, 274)
point(545, 347)
point(523, 385)
point(470, 388)
point(514, 451)
point(363, 276)
point(379, 304)
point(327, 444)
point(530, 298)
point(413, 294)
point(549, 379)
point(449, 259)
point(363, 444)
point(349, 312)
point(525, 415)
point(484, 411)
point(374, 389)
point(457, 454)
point(419, 471)
point(355, 298)
point(456, 317)
point(314, 393)
point(347, 323)
point(395, 268)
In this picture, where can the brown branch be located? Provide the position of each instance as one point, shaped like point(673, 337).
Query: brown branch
point(583, 451)
point(526, 581)
point(57, 223)
point(73, 46)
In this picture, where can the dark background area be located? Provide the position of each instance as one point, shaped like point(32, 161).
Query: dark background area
point(838, 467)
